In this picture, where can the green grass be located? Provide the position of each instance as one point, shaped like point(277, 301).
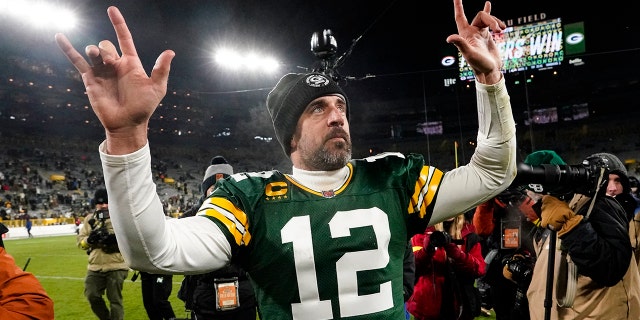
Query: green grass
point(61, 267)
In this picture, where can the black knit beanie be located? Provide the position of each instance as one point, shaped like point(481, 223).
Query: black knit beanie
point(613, 165)
point(290, 97)
point(100, 197)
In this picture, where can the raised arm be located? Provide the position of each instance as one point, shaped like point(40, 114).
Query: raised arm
point(120, 92)
point(124, 98)
point(493, 164)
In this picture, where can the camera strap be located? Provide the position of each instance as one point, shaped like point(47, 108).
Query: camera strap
point(566, 281)
point(567, 273)
point(593, 201)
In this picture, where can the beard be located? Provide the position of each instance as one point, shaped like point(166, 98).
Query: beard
point(332, 155)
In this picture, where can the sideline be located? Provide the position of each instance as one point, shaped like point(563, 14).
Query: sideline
point(40, 231)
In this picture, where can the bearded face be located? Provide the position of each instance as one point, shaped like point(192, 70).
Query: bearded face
point(329, 152)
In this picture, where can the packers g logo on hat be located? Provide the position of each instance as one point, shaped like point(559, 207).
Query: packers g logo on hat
point(289, 98)
point(317, 81)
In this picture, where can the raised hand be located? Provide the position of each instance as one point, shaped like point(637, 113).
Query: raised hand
point(476, 43)
point(120, 92)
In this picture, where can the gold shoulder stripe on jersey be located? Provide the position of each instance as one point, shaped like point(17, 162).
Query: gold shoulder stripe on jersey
point(230, 215)
point(425, 189)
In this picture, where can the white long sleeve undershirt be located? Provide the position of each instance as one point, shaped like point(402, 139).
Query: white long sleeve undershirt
point(149, 242)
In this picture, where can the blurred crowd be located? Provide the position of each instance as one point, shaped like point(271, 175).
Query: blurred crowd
point(53, 183)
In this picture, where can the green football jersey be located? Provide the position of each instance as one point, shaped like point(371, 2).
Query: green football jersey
point(330, 254)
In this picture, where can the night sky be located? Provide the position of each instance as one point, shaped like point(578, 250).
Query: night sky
point(393, 37)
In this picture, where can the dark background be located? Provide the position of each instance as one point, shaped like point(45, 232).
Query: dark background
point(398, 46)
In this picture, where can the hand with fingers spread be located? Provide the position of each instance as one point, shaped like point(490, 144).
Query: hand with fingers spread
point(476, 43)
point(120, 92)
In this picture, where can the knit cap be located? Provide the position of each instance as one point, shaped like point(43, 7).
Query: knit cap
point(219, 169)
point(613, 164)
point(290, 97)
point(100, 197)
point(539, 157)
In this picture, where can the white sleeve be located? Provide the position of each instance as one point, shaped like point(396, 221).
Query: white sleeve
point(147, 240)
point(493, 165)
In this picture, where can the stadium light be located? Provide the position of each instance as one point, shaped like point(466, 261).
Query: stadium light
point(39, 14)
point(251, 61)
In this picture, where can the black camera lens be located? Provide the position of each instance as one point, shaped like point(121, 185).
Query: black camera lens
point(439, 239)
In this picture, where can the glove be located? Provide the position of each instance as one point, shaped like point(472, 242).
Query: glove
point(556, 215)
point(439, 256)
point(93, 238)
point(507, 273)
point(454, 252)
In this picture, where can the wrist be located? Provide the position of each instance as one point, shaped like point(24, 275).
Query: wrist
point(489, 78)
point(120, 143)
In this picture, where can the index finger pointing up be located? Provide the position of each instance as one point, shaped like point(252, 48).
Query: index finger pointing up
point(125, 40)
point(461, 19)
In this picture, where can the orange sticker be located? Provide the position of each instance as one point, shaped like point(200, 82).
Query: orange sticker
point(227, 295)
point(510, 238)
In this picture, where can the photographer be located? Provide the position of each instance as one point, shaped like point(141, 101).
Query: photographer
point(107, 269)
point(507, 224)
point(448, 260)
point(592, 231)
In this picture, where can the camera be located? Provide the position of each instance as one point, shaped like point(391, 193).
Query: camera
point(520, 265)
point(324, 46)
point(512, 196)
point(440, 238)
point(521, 268)
point(100, 237)
point(553, 174)
point(562, 179)
point(102, 214)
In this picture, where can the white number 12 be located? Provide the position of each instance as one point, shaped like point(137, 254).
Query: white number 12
point(298, 232)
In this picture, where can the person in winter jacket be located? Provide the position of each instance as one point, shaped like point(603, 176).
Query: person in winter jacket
point(592, 231)
point(448, 257)
point(107, 269)
point(508, 225)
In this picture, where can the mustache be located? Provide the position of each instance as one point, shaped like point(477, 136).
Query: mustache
point(338, 133)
